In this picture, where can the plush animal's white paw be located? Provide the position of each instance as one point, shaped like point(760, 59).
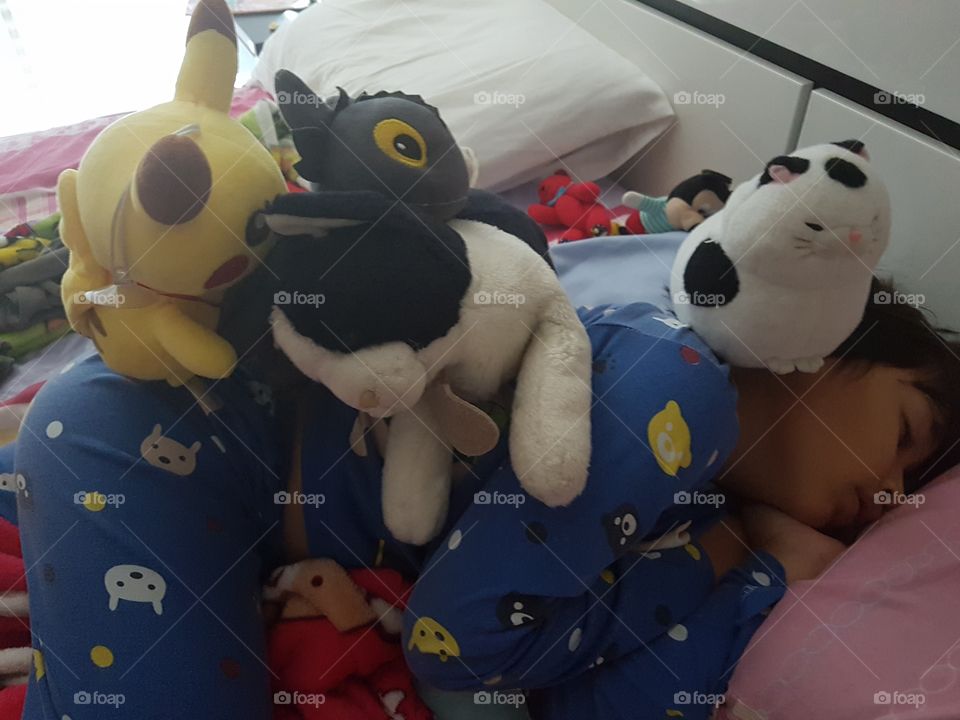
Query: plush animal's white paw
point(554, 473)
point(780, 366)
point(550, 448)
point(414, 522)
point(783, 367)
point(554, 491)
point(416, 477)
point(809, 365)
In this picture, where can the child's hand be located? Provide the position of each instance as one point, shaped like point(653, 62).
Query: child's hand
point(726, 545)
point(803, 551)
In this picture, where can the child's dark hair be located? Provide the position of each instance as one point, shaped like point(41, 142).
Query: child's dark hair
point(900, 334)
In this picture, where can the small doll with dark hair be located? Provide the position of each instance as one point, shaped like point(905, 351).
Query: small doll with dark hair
point(688, 204)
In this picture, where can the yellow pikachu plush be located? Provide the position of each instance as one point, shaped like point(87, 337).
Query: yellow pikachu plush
point(156, 216)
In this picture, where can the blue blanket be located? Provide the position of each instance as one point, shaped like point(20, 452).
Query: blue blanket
point(618, 269)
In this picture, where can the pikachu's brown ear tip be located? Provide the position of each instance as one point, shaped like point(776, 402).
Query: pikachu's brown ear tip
point(212, 15)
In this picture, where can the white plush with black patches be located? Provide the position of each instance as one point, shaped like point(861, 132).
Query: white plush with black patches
point(529, 332)
point(798, 291)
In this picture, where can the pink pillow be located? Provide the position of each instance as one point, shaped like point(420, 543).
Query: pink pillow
point(876, 637)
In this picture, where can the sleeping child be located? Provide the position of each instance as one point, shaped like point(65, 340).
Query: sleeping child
point(710, 489)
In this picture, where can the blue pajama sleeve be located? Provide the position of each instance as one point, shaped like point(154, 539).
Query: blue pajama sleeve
point(684, 673)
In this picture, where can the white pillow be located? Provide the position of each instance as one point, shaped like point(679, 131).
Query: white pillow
point(515, 80)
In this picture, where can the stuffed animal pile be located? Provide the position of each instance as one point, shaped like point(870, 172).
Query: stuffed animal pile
point(781, 276)
point(412, 297)
point(155, 218)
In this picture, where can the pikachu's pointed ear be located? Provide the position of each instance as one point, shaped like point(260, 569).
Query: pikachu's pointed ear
point(210, 62)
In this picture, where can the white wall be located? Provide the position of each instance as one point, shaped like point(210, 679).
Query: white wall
point(908, 46)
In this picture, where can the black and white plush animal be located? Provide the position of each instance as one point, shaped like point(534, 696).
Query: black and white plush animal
point(781, 276)
point(410, 313)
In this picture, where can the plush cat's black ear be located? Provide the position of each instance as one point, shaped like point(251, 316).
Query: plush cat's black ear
point(854, 146)
point(309, 120)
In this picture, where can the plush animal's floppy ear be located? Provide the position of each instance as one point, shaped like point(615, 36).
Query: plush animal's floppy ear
point(309, 120)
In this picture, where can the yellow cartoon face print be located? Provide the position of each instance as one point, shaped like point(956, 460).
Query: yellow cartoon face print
point(669, 439)
point(431, 638)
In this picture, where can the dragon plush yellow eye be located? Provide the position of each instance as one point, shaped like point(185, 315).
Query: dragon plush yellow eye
point(400, 141)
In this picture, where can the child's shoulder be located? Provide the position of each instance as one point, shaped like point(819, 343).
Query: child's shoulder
point(659, 387)
point(654, 325)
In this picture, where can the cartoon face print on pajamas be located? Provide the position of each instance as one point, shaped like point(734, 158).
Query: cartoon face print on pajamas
point(22, 488)
point(517, 610)
point(136, 584)
point(8, 482)
point(431, 638)
point(669, 439)
point(167, 454)
point(621, 527)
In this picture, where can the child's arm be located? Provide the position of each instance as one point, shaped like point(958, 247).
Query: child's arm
point(534, 595)
point(686, 669)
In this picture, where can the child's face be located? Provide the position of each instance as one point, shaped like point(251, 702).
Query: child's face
point(821, 446)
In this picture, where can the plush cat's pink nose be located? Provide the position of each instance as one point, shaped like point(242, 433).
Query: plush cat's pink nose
point(855, 237)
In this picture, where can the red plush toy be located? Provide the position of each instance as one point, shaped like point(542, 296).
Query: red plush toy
point(575, 206)
point(334, 649)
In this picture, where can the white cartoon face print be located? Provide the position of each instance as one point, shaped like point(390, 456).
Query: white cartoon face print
point(136, 584)
point(8, 482)
point(261, 393)
point(167, 454)
point(22, 488)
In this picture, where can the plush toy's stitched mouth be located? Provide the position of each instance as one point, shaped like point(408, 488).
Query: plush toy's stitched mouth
point(228, 272)
point(177, 296)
